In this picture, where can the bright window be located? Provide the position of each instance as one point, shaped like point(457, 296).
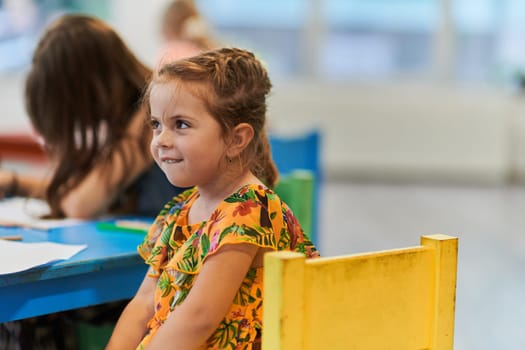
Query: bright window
point(376, 39)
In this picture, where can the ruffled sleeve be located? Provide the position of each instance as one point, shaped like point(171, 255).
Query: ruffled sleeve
point(253, 215)
point(154, 248)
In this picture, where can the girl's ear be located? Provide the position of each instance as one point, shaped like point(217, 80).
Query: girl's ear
point(241, 137)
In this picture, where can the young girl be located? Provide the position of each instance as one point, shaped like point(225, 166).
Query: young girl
point(82, 96)
point(205, 250)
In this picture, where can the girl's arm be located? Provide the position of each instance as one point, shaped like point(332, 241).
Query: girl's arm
point(132, 324)
point(99, 188)
point(199, 315)
point(22, 185)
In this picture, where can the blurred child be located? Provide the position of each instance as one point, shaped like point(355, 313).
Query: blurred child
point(82, 95)
point(184, 31)
point(204, 286)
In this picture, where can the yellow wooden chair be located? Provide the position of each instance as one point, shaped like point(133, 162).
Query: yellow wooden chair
point(402, 299)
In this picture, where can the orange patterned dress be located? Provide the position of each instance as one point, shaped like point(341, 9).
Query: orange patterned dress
point(176, 251)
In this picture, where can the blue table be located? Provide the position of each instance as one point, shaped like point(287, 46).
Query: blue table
point(109, 269)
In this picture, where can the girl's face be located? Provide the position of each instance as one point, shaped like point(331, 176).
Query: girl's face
point(187, 141)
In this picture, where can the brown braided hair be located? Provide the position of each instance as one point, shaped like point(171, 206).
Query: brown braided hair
point(233, 84)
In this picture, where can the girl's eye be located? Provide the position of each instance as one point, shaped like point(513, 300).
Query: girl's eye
point(181, 124)
point(154, 124)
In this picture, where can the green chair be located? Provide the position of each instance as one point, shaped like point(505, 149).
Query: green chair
point(301, 151)
point(297, 190)
point(93, 337)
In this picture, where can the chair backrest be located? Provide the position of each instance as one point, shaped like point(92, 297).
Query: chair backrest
point(297, 190)
point(401, 299)
point(300, 152)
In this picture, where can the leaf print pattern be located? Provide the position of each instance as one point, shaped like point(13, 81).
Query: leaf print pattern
point(224, 335)
point(176, 251)
point(164, 284)
point(243, 297)
point(244, 208)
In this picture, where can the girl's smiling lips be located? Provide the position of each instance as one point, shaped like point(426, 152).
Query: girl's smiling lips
point(170, 160)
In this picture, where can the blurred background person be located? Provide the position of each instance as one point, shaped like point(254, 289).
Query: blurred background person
point(184, 31)
point(82, 93)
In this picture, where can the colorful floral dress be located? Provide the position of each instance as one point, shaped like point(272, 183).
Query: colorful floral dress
point(176, 251)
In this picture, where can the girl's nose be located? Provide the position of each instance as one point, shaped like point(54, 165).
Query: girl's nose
point(163, 139)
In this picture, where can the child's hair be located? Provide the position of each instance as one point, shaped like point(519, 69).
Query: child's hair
point(233, 86)
point(183, 21)
point(81, 93)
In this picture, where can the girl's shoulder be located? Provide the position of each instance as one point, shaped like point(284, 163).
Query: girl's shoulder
point(251, 195)
point(252, 205)
point(251, 191)
point(256, 214)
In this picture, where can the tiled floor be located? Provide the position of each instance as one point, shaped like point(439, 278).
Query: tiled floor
point(490, 224)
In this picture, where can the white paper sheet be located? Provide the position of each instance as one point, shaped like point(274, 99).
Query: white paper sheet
point(20, 256)
point(26, 212)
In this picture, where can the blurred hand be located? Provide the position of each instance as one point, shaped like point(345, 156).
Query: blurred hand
point(6, 182)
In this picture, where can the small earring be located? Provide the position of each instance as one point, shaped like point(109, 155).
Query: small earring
point(229, 160)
